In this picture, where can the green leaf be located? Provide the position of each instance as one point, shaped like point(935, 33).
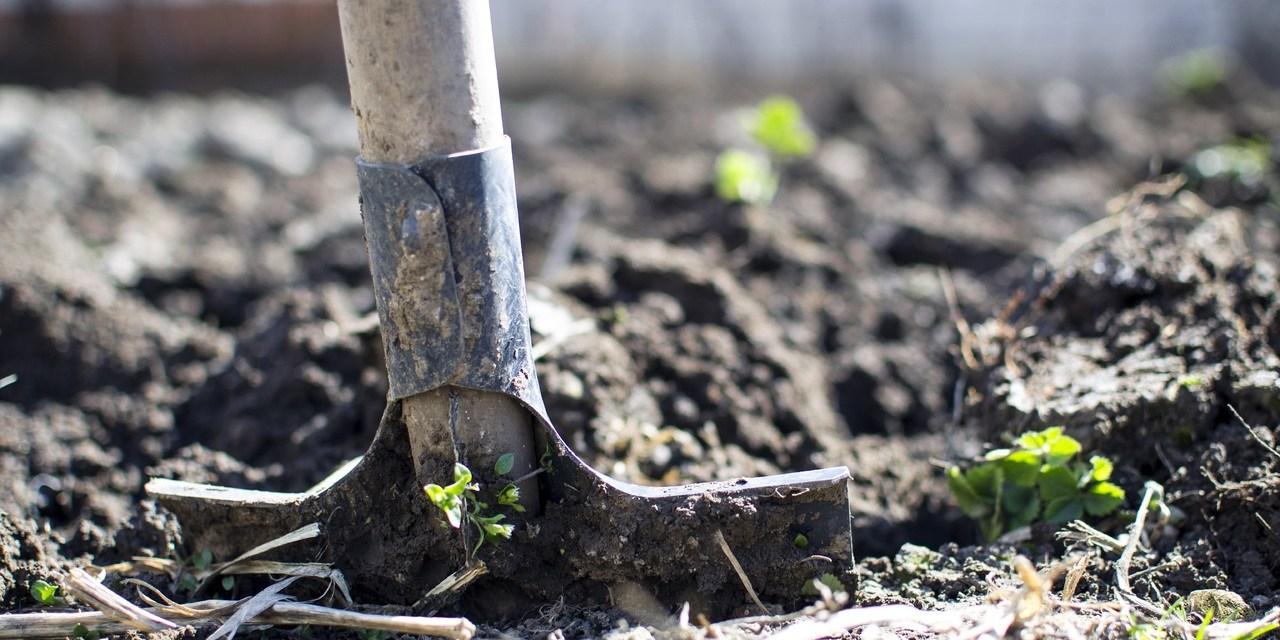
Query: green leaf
point(742, 176)
point(504, 464)
point(1027, 515)
point(461, 480)
point(1100, 468)
point(1061, 449)
point(228, 583)
point(202, 560)
point(996, 454)
point(453, 511)
point(780, 126)
point(461, 474)
point(966, 497)
point(436, 494)
point(800, 541)
point(985, 480)
point(1103, 498)
point(499, 530)
point(1021, 505)
point(446, 502)
point(1057, 482)
point(492, 526)
point(1037, 440)
point(44, 593)
point(1061, 510)
point(1021, 468)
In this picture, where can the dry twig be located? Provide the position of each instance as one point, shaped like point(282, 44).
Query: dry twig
point(210, 612)
point(737, 567)
point(1270, 449)
point(1135, 534)
point(91, 592)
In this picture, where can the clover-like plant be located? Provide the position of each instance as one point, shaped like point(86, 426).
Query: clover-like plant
point(459, 501)
point(1035, 481)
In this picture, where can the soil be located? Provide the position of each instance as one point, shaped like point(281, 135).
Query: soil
point(184, 292)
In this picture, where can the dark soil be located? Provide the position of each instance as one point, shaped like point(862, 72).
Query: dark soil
point(184, 292)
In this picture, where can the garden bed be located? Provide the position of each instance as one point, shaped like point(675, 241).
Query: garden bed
point(184, 292)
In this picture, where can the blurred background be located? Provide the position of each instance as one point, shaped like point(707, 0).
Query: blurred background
point(142, 45)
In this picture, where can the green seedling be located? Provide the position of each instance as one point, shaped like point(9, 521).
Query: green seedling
point(779, 126)
point(458, 501)
point(228, 583)
point(45, 593)
point(801, 541)
point(744, 176)
point(1036, 481)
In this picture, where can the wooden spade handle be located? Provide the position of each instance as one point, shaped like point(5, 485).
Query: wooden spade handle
point(423, 83)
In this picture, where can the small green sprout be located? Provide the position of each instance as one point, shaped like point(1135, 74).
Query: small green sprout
point(45, 593)
point(800, 541)
point(778, 124)
point(1034, 482)
point(458, 501)
point(228, 583)
point(743, 176)
point(82, 632)
point(452, 499)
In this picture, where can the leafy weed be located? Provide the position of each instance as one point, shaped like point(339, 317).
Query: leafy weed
point(1036, 481)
